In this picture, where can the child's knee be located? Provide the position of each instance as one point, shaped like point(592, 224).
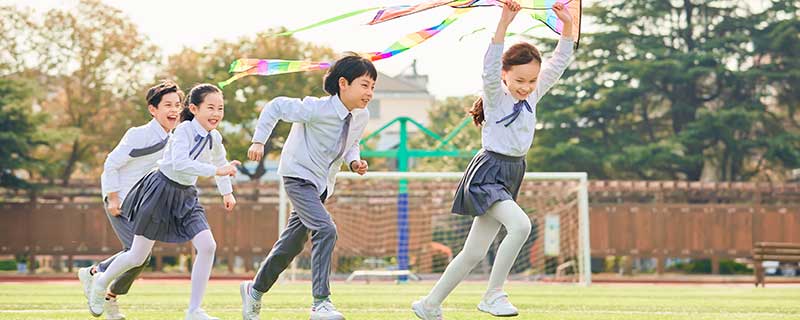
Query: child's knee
point(472, 258)
point(523, 229)
point(328, 231)
point(208, 247)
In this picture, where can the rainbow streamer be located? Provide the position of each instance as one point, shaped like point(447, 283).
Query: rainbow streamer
point(413, 39)
point(270, 67)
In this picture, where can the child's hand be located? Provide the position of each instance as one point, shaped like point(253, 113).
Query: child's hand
point(359, 166)
point(228, 169)
point(256, 151)
point(113, 204)
point(510, 10)
point(229, 201)
point(562, 13)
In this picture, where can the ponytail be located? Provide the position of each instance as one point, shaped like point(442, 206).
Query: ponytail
point(186, 114)
point(477, 112)
point(196, 97)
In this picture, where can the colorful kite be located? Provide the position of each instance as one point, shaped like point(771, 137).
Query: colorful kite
point(268, 67)
point(541, 11)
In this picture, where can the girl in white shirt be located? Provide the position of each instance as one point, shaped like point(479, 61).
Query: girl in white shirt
point(164, 205)
point(512, 82)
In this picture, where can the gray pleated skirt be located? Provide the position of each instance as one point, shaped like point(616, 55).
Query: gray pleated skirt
point(490, 177)
point(164, 210)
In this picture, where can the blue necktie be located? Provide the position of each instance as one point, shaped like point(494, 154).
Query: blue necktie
point(342, 138)
point(517, 110)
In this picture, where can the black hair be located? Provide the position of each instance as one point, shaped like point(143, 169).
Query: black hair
point(156, 92)
point(350, 67)
point(196, 97)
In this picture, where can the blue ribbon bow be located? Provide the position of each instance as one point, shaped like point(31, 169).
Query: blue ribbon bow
point(517, 110)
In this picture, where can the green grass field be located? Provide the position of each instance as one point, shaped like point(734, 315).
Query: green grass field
point(152, 299)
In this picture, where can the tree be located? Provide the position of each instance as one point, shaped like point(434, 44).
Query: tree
point(16, 40)
point(677, 90)
point(18, 131)
point(91, 62)
point(245, 97)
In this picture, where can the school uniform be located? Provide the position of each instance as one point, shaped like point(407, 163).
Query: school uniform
point(163, 205)
point(324, 134)
point(135, 155)
point(496, 172)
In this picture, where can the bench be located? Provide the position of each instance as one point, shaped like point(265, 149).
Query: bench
point(773, 251)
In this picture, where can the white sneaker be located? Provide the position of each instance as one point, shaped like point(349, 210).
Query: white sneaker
point(199, 314)
point(86, 279)
point(250, 307)
point(497, 304)
point(97, 299)
point(325, 311)
point(426, 313)
point(111, 309)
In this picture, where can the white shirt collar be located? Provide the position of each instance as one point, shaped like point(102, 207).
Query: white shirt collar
point(198, 128)
point(338, 105)
point(156, 127)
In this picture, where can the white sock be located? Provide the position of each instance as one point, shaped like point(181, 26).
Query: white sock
point(518, 227)
point(134, 257)
point(201, 270)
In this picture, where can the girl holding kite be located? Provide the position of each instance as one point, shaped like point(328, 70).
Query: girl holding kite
point(513, 81)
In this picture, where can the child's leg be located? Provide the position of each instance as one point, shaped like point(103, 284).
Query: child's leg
point(313, 215)
point(138, 253)
point(484, 229)
point(201, 270)
point(123, 283)
point(323, 239)
point(289, 245)
point(518, 227)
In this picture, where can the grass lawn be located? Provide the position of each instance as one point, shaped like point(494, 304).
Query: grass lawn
point(155, 299)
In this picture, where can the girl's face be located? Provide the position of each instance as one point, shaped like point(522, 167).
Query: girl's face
point(521, 79)
point(168, 111)
point(210, 112)
point(357, 94)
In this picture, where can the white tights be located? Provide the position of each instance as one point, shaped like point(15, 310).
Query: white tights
point(484, 230)
point(201, 270)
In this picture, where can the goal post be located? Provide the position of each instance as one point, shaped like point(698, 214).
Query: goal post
point(399, 225)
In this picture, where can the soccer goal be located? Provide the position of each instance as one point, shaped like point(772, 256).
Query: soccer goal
point(398, 225)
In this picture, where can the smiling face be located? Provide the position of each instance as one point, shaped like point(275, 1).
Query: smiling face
point(168, 111)
point(210, 112)
point(521, 79)
point(357, 94)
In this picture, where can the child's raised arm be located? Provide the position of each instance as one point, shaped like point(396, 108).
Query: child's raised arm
point(553, 68)
point(510, 10)
point(492, 60)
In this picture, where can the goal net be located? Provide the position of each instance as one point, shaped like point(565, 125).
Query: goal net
point(398, 225)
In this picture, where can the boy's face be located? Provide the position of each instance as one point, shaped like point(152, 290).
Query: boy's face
point(357, 94)
point(168, 111)
point(210, 112)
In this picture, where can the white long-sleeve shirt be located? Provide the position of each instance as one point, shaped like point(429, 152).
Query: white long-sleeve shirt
point(133, 157)
point(189, 155)
point(313, 141)
point(515, 139)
